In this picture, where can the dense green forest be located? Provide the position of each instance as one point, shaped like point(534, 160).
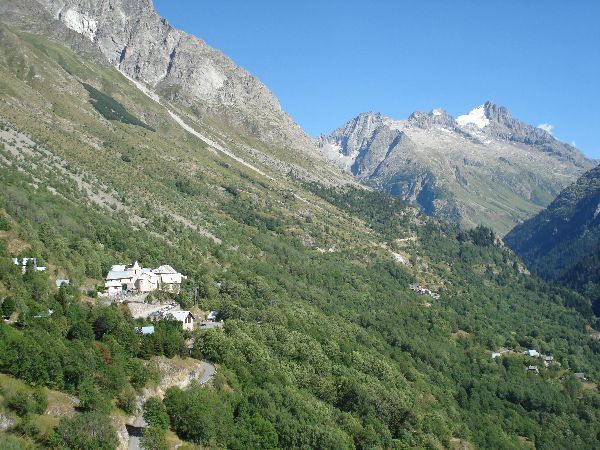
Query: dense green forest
point(318, 350)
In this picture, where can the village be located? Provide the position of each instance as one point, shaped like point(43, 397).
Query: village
point(546, 360)
point(131, 285)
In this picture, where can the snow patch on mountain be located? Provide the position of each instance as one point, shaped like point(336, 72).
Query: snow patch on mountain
point(476, 117)
point(80, 23)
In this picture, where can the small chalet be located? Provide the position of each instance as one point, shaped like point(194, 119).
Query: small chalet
point(185, 317)
point(145, 330)
point(60, 283)
point(533, 353)
point(581, 376)
point(533, 369)
point(23, 262)
point(548, 360)
point(212, 316)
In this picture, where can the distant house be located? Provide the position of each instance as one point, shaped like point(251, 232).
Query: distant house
point(113, 287)
point(581, 376)
point(147, 282)
point(212, 316)
point(146, 330)
point(44, 315)
point(533, 353)
point(60, 283)
point(548, 360)
point(170, 280)
point(533, 369)
point(185, 317)
point(496, 355)
point(23, 262)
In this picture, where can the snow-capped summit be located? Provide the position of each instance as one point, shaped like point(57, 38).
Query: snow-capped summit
point(476, 117)
point(469, 170)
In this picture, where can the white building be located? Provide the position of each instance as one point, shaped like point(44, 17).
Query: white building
point(123, 278)
point(60, 282)
point(185, 317)
point(24, 261)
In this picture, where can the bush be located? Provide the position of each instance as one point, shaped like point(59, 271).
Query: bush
point(154, 439)
point(87, 431)
point(19, 403)
point(155, 413)
point(8, 306)
point(126, 400)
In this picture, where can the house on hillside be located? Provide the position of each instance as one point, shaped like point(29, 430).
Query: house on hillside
point(185, 317)
point(60, 283)
point(533, 353)
point(170, 280)
point(147, 282)
point(113, 287)
point(212, 316)
point(581, 376)
point(142, 279)
point(533, 369)
point(145, 330)
point(24, 262)
point(548, 360)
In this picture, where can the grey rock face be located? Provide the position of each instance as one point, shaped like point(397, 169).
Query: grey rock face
point(179, 66)
point(484, 167)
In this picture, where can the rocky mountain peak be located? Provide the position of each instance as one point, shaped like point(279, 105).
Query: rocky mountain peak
point(437, 117)
point(178, 66)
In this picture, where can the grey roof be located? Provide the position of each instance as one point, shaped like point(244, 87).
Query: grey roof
point(179, 315)
point(164, 269)
point(119, 275)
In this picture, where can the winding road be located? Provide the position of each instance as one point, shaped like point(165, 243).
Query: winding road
point(136, 429)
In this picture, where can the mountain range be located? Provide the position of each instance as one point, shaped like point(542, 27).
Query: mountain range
point(350, 319)
point(485, 167)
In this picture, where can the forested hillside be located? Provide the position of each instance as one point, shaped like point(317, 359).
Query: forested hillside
point(326, 343)
point(562, 243)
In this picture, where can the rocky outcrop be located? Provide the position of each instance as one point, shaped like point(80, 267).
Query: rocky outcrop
point(180, 67)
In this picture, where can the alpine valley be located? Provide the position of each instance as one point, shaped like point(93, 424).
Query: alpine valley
point(310, 309)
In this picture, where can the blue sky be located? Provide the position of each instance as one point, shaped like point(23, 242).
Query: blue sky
point(327, 61)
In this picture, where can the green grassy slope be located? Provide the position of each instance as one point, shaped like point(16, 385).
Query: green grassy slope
point(324, 345)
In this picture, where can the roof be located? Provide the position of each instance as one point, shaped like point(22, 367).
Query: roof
point(60, 282)
point(171, 278)
point(119, 274)
point(149, 275)
point(164, 269)
point(180, 315)
point(212, 315)
point(580, 375)
point(146, 330)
